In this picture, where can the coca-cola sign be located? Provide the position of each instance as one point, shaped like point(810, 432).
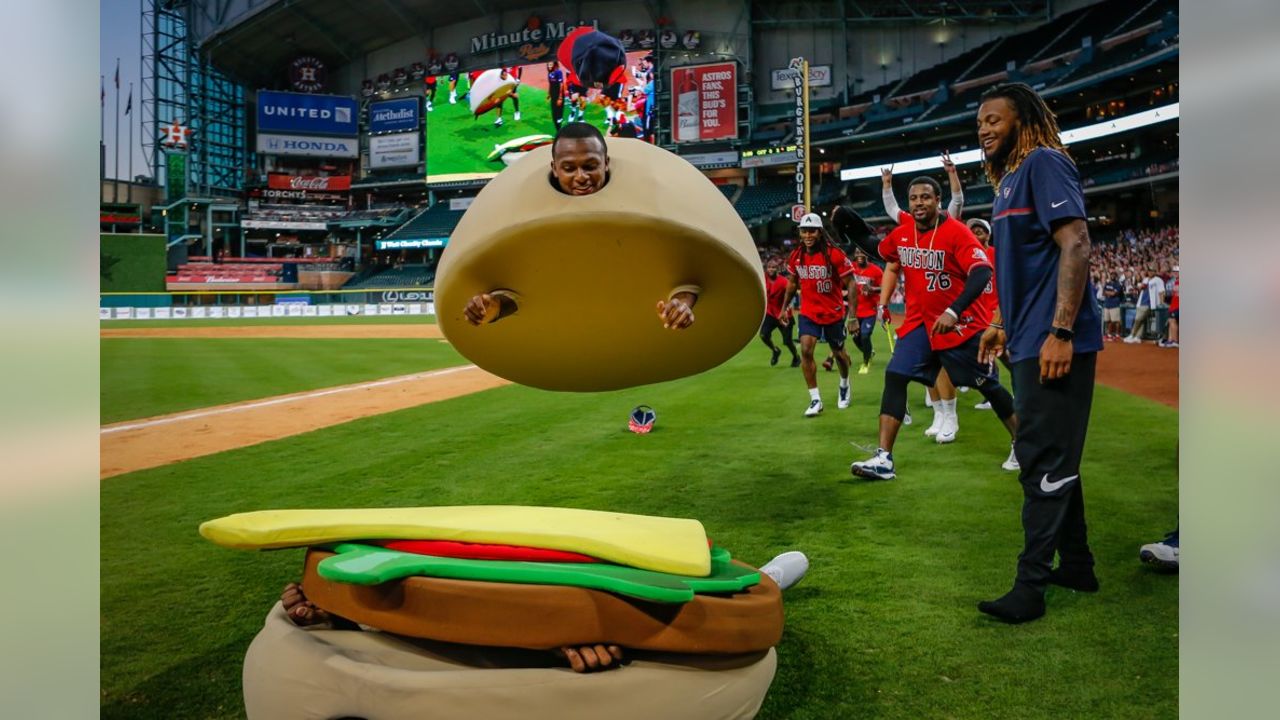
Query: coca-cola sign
point(312, 183)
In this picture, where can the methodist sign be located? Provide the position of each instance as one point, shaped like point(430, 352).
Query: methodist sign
point(303, 114)
point(395, 115)
point(704, 102)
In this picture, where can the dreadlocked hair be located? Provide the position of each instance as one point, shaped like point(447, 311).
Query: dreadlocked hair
point(821, 247)
point(1037, 128)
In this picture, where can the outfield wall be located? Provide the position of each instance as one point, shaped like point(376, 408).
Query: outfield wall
point(262, 304)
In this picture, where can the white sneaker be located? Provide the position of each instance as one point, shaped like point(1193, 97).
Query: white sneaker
point(815, 408)
point(963, 389)
point(1012, 463)
point(787, 569)
point(843, 401)
point(517, 115)
point(947, 431)
point(453, 98)
point(984, 405)
point(1130, 340)
point(906, 418)
point(1162, 554)
point(497, 123)
point(937, 424)
point(429, 106)
point(878, 467)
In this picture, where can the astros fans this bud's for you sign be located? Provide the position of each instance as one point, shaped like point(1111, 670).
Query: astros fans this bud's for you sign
point(704, 102)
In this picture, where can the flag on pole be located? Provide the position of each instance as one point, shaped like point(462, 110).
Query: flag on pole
point(128, 104)
point(103, 85)
point(117, 73)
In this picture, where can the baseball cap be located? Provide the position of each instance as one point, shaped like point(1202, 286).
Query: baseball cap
point(593, 57)
point(641, 420)
point(979, 221)
point(812, 220)
point(1175, 268)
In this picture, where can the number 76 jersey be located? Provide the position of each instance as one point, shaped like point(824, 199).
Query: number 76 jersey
point(934, 266)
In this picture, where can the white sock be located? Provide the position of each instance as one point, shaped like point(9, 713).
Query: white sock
point(844, 383)
point(949, 408)
point(814, 394)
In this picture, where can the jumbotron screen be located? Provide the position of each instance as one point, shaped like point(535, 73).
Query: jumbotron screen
point(482, 121)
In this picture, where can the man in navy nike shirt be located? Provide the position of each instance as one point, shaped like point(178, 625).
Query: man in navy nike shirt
point(1049, 321)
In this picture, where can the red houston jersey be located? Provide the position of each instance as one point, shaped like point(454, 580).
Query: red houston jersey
point(935, 264)
point(868, 281)
point(775, 289)
point(988, 295)
point(821, 289)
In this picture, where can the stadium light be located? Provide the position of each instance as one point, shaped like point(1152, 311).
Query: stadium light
point(1076, 135)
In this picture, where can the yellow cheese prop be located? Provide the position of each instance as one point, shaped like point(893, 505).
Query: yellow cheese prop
point(672, 545)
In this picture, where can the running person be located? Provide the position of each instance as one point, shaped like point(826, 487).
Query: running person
point(555, 92)
point(453, 88)
point(1052, 331)
point(775, 287)
point(866, 278)
point(941, 398)
point(429, 89)
point(819, 270)
point(945, 271)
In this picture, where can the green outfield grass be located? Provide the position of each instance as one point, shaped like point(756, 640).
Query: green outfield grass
point(884, 626)
point(142, 377)
point(459, 143)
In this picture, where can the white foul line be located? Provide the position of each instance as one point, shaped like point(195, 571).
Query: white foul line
point(285, 399)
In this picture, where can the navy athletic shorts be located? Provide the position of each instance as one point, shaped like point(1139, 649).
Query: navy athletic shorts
point(913, 358)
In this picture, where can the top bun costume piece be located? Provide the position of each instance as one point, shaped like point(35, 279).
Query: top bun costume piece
point(592, 267)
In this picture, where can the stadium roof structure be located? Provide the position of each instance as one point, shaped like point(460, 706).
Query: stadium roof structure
point(251, 40)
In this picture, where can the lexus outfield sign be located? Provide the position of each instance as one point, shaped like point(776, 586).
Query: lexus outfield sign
point(308, 145)
point(298, 113)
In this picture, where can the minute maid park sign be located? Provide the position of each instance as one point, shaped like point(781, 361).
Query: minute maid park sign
point(534, 39)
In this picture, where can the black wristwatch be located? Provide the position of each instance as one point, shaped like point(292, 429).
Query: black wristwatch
point(1064, 334)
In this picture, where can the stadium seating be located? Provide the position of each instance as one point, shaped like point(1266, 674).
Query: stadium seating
point(394, 277)
point(436, 221)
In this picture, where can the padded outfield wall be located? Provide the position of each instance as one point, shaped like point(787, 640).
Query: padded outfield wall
point(132, 263)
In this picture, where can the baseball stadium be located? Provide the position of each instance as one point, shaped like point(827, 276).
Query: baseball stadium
point(664, 359)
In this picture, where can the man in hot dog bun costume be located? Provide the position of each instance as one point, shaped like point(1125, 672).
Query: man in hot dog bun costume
point(460, 633)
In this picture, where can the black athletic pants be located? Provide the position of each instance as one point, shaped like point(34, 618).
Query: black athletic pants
point(1053, 418)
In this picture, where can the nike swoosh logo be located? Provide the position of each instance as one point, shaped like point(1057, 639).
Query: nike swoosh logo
point(1054, 205)
point(1049, 487)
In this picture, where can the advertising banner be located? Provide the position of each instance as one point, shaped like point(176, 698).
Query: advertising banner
point(704, 102)
point(764, 157)
point(308, 146)
point(283, 225)
point(175, 176)
point(398, 150)
point(712, 161)
point(410, 243)
point(283, 181)
point(286, 112)
point(782, 78)
point(395, 115)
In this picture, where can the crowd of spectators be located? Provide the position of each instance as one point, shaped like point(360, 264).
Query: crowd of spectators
point(1133, 256)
